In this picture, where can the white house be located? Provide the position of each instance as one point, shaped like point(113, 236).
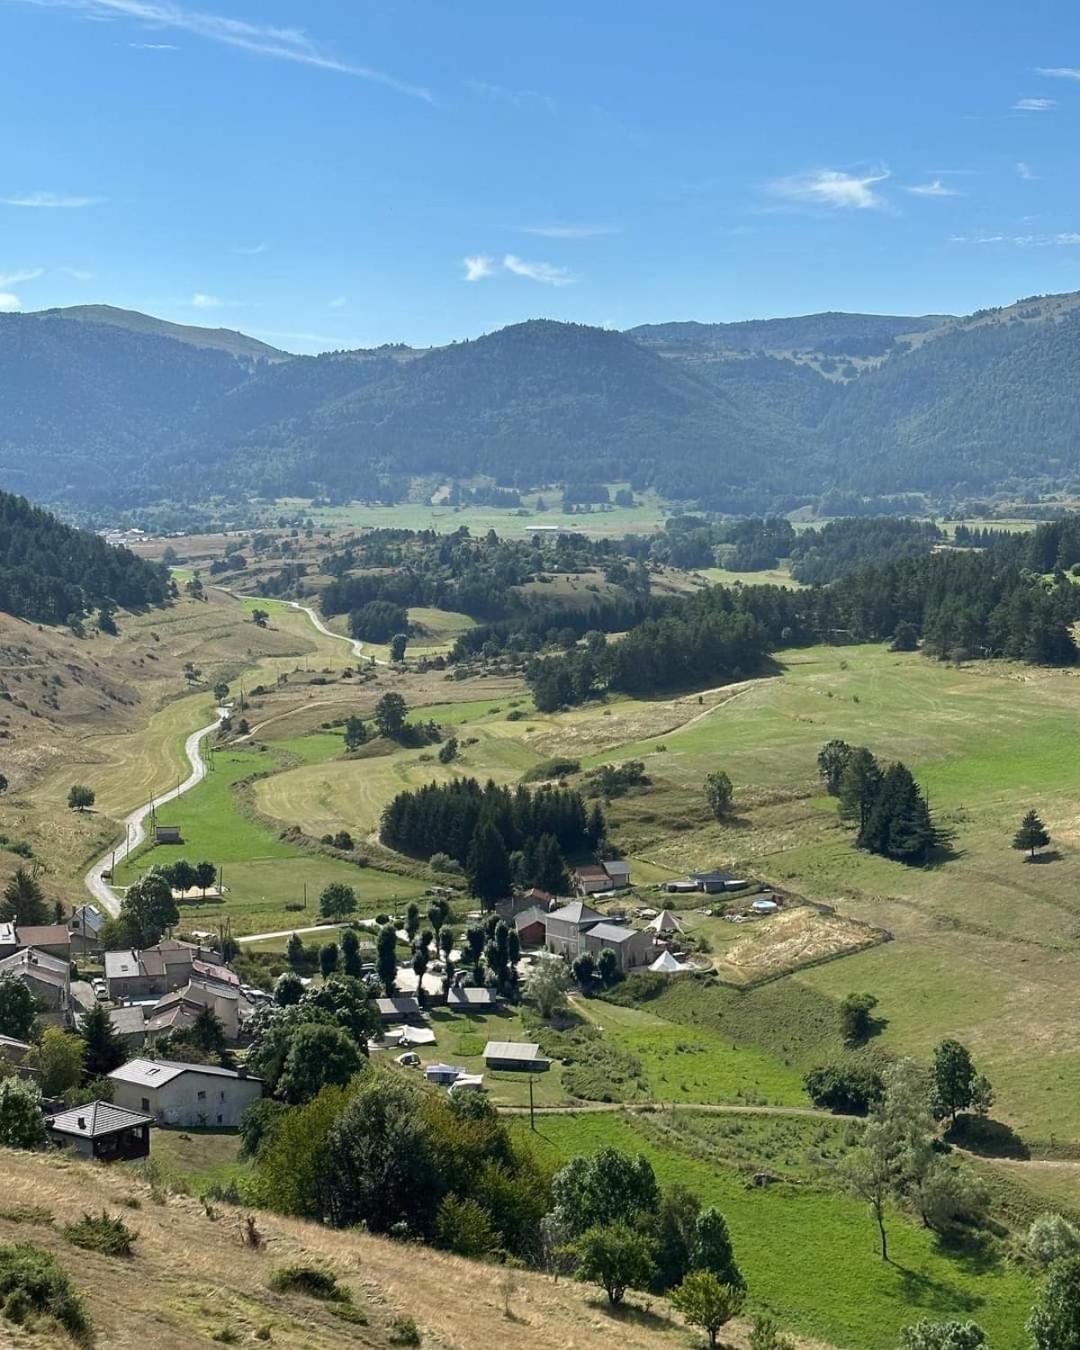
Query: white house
point(191, 1095)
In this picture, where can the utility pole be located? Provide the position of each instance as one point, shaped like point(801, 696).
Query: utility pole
point(532, 1112)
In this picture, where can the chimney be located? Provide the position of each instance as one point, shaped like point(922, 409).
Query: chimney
point(242, 1071)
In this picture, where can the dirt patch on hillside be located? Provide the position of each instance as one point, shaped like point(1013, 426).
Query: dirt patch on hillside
point(791, 939)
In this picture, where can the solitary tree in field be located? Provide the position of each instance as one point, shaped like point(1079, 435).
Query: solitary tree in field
point(398, 643)
point(707, 1303)
point(719, 793)
point(80, 798)
point(954, 1079)
point(856, 1023)
point(1031, 835)
point(615, 1256)
point(259, 617)
point(337, 901)
point(390, 713)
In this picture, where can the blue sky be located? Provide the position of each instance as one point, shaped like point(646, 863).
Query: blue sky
point(347, 172)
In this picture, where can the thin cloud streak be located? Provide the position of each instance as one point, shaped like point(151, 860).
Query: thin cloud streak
point(570, 231)
point(833, 188)
point(499, 93)
point(1034, 105)
point(1063, 239)
point(250, 250)
point(15, 278)
point(50, 201)
point(200, 300)
point(284, 44)
point(1025, 172)
point(1059, 72)
point(544, 272)
point(936, 188)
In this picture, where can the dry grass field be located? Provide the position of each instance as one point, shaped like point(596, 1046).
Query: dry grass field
point(192, 1281)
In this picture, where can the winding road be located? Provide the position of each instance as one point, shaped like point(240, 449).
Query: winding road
point(135, 823)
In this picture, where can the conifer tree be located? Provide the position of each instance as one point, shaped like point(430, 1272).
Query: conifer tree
point(1031, 835)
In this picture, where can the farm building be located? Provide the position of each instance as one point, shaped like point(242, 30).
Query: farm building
point(716, 881)
point(167, 834)
point(591, 879)
point(400, 1009)
point(514, 1055)
point(101, 1131)
point(618, 872)
point(471, 998)
point(632, 946)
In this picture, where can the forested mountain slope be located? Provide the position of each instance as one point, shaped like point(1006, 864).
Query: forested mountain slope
point(101, 408)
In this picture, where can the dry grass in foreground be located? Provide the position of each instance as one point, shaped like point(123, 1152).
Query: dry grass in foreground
point(193, 1281)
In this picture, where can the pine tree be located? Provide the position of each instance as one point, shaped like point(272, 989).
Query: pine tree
point(488, 865)
point(105, 1050)
point(24, 901)
point(1031, 835)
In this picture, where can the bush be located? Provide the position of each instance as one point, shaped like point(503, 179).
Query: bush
point(559, 767)
point(850, 1089)
point(404, 1331)
point(1050, 1238)
point(102, 1233)
point(32, 1281)
point(308, 1280)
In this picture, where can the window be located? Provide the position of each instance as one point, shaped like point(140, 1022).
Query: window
point(221, 1120)
point(202, 1096)
point(146, 1105)
point(223, 1096)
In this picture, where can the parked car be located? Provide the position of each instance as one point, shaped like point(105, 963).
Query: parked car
point(409, 1060)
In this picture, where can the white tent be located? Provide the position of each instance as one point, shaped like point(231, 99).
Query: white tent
point(666, 964)
point(665, 922)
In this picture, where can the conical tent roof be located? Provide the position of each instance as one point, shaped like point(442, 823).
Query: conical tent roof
point(665, 922)
point(666, 964)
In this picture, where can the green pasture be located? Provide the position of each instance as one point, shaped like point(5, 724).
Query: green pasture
point(804, 1247)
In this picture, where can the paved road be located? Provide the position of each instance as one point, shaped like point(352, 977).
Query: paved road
point(135, 823)
point(355, 647)
point(288, 932)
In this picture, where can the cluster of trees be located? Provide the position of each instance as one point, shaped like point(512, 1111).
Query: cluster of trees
point(147, 912)
point(53, 573)
point(186, 876)
point(822, 555)
point(886, 804)
point(495, 833)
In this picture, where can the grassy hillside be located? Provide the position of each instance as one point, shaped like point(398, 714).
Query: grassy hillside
point(191, 1281)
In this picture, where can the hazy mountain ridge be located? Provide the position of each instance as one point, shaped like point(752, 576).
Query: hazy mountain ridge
point(114, 412)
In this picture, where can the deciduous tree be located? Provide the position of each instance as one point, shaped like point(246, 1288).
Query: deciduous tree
point(719, 793)
point(707, 1302)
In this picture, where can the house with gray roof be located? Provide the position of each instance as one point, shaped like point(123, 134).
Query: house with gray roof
point(632, 946)
point(192, 1095)
point(49, 977)
point(102, 1131)
point(565, 928)
point(515, 1055)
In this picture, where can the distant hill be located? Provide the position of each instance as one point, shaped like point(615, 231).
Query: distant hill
point(220, 339)
point(110, 409)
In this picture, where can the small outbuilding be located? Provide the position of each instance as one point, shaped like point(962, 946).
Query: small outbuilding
point(531, 925)
point(399, 1009)
point(168, 834)
point(471, 998)
point(618, 871)
point(515, 1055)
point(102, 1131)
point(442, 1074)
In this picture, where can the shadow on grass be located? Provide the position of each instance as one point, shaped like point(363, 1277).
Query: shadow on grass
point(1050, 856)
point(988, 1138)
point(632, 1313)
point(976, 1252)
point(937, 1296)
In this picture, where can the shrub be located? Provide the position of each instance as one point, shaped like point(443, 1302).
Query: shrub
point(404, 1331)
point(308, 1280)
point(1050, 1238)
point(102, 1233)
point(848, 1088)
point(559, 767)
point(32, 1281)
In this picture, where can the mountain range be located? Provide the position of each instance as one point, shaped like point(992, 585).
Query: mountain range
point(104, 408)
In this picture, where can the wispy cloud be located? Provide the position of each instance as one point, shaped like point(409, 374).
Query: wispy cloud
point(546, 273)
point(1063, 239)
point(250, 250)
point(1025, 171)
point(200, 300)
point(9, 303)
point(570, 231)
point(1034, 105)
point(16, 278)
point(936, 188)
point(338, 302)
point(79, 273)
point(478, 267)
point(50, 201)
point(499, 93)
point(1060, 72)
point(154, 46)
point(833, 188)
point(283, 44)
